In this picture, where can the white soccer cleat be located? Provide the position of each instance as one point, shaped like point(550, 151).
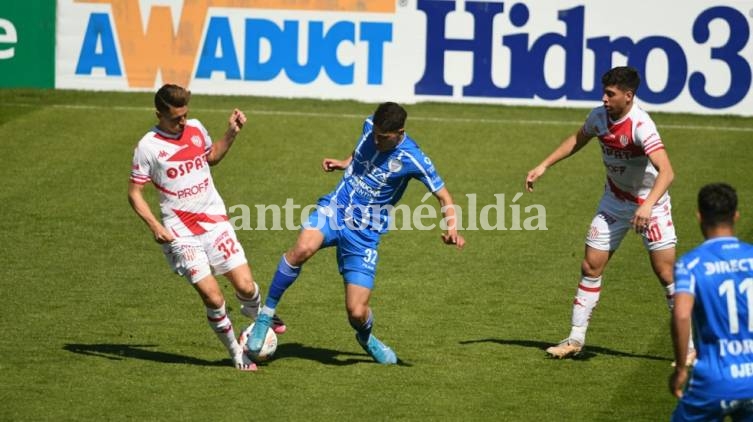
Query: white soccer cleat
point(567, 348)
point(244, 363)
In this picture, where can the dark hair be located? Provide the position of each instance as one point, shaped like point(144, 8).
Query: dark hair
point(717, 204)
point(624, 77)
point(171, 95)
point(390, 117)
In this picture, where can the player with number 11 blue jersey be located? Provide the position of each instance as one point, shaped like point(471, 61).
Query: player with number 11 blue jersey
point(714, 288)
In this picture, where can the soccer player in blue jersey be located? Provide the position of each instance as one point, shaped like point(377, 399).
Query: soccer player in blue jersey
point(353, 218)
point(714, 288)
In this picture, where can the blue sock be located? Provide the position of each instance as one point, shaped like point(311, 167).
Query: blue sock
point(285, 275)
point(363, 330)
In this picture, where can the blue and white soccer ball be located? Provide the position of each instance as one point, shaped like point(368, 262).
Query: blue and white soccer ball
point(268, 349)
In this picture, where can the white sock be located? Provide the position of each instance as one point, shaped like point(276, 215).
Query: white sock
point(586, 299)
point(221, 325)
point(250, 306)
point(266, 310)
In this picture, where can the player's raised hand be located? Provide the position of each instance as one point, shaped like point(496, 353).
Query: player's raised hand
point(453, 238)
point(236, 121)
point(533, 175)
point(331, 164)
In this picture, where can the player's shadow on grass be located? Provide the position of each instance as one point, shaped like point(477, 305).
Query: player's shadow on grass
point(324, 356)
point(138, 351)
point(588, 352)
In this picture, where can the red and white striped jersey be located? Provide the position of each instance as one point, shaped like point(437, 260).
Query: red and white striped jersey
point(177, 166)
point(626, 145)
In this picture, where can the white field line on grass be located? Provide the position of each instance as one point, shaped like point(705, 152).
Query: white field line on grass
point(361, 116)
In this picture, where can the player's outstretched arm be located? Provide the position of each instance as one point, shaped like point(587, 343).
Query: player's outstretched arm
point(451, 237)
point(139, 204)
point(219, 148)
point(681, 314)
point(331, 164)
point(568, 147)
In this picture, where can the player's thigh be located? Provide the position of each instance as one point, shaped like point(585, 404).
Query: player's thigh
point(223, 249)
point(319, 231)
point(661, 233)
point(209, 291)
point(186, 257)
point(357, 260)
point(609, 225)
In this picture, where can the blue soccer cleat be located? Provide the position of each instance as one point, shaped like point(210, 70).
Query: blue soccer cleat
point(258, 333)
point(379, 351)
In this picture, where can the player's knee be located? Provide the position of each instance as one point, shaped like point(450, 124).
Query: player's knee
point(590, 269)
point(357, 311)
point(300, 254)
point(213, 300)
point(246, 288)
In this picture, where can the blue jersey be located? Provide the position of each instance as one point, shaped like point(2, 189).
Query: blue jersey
point(719, 274)
point(375, 181)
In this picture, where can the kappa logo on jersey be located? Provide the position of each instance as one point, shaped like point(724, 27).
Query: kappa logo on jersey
point(162, 154)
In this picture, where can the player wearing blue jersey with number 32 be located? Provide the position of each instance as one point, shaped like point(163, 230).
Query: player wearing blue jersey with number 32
point(355, 215)
point(714, 288)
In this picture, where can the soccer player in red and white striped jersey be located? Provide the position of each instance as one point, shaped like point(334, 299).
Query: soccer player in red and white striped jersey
point(636, 196)
point(196, 237)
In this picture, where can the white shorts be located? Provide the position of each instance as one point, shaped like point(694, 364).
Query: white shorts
point(214, 252)
point(612, 222)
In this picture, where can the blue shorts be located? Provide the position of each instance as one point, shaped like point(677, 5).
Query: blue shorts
point(357, 254)
point(712, 410)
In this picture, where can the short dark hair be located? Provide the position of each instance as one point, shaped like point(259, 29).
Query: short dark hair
point(624, 77)
point(717, 204)
point(171, 95)
point(390, 117)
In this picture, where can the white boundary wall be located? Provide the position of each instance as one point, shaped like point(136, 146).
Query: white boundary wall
point(695, 55)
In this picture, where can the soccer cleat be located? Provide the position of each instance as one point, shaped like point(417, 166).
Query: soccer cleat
point(258, 333)
point(567, 348)
point(243, 362)
point(690, 358)
point(278, 325)
point(379, 351)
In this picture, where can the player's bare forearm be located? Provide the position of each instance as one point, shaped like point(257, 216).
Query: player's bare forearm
point(142, 209)
point(680, 326)
point(452, 237)
point(681, 316)
point(664, 179)
point(568, 147)
point(235, 123)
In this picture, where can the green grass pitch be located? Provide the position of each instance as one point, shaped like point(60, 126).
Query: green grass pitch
point(95, 327)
